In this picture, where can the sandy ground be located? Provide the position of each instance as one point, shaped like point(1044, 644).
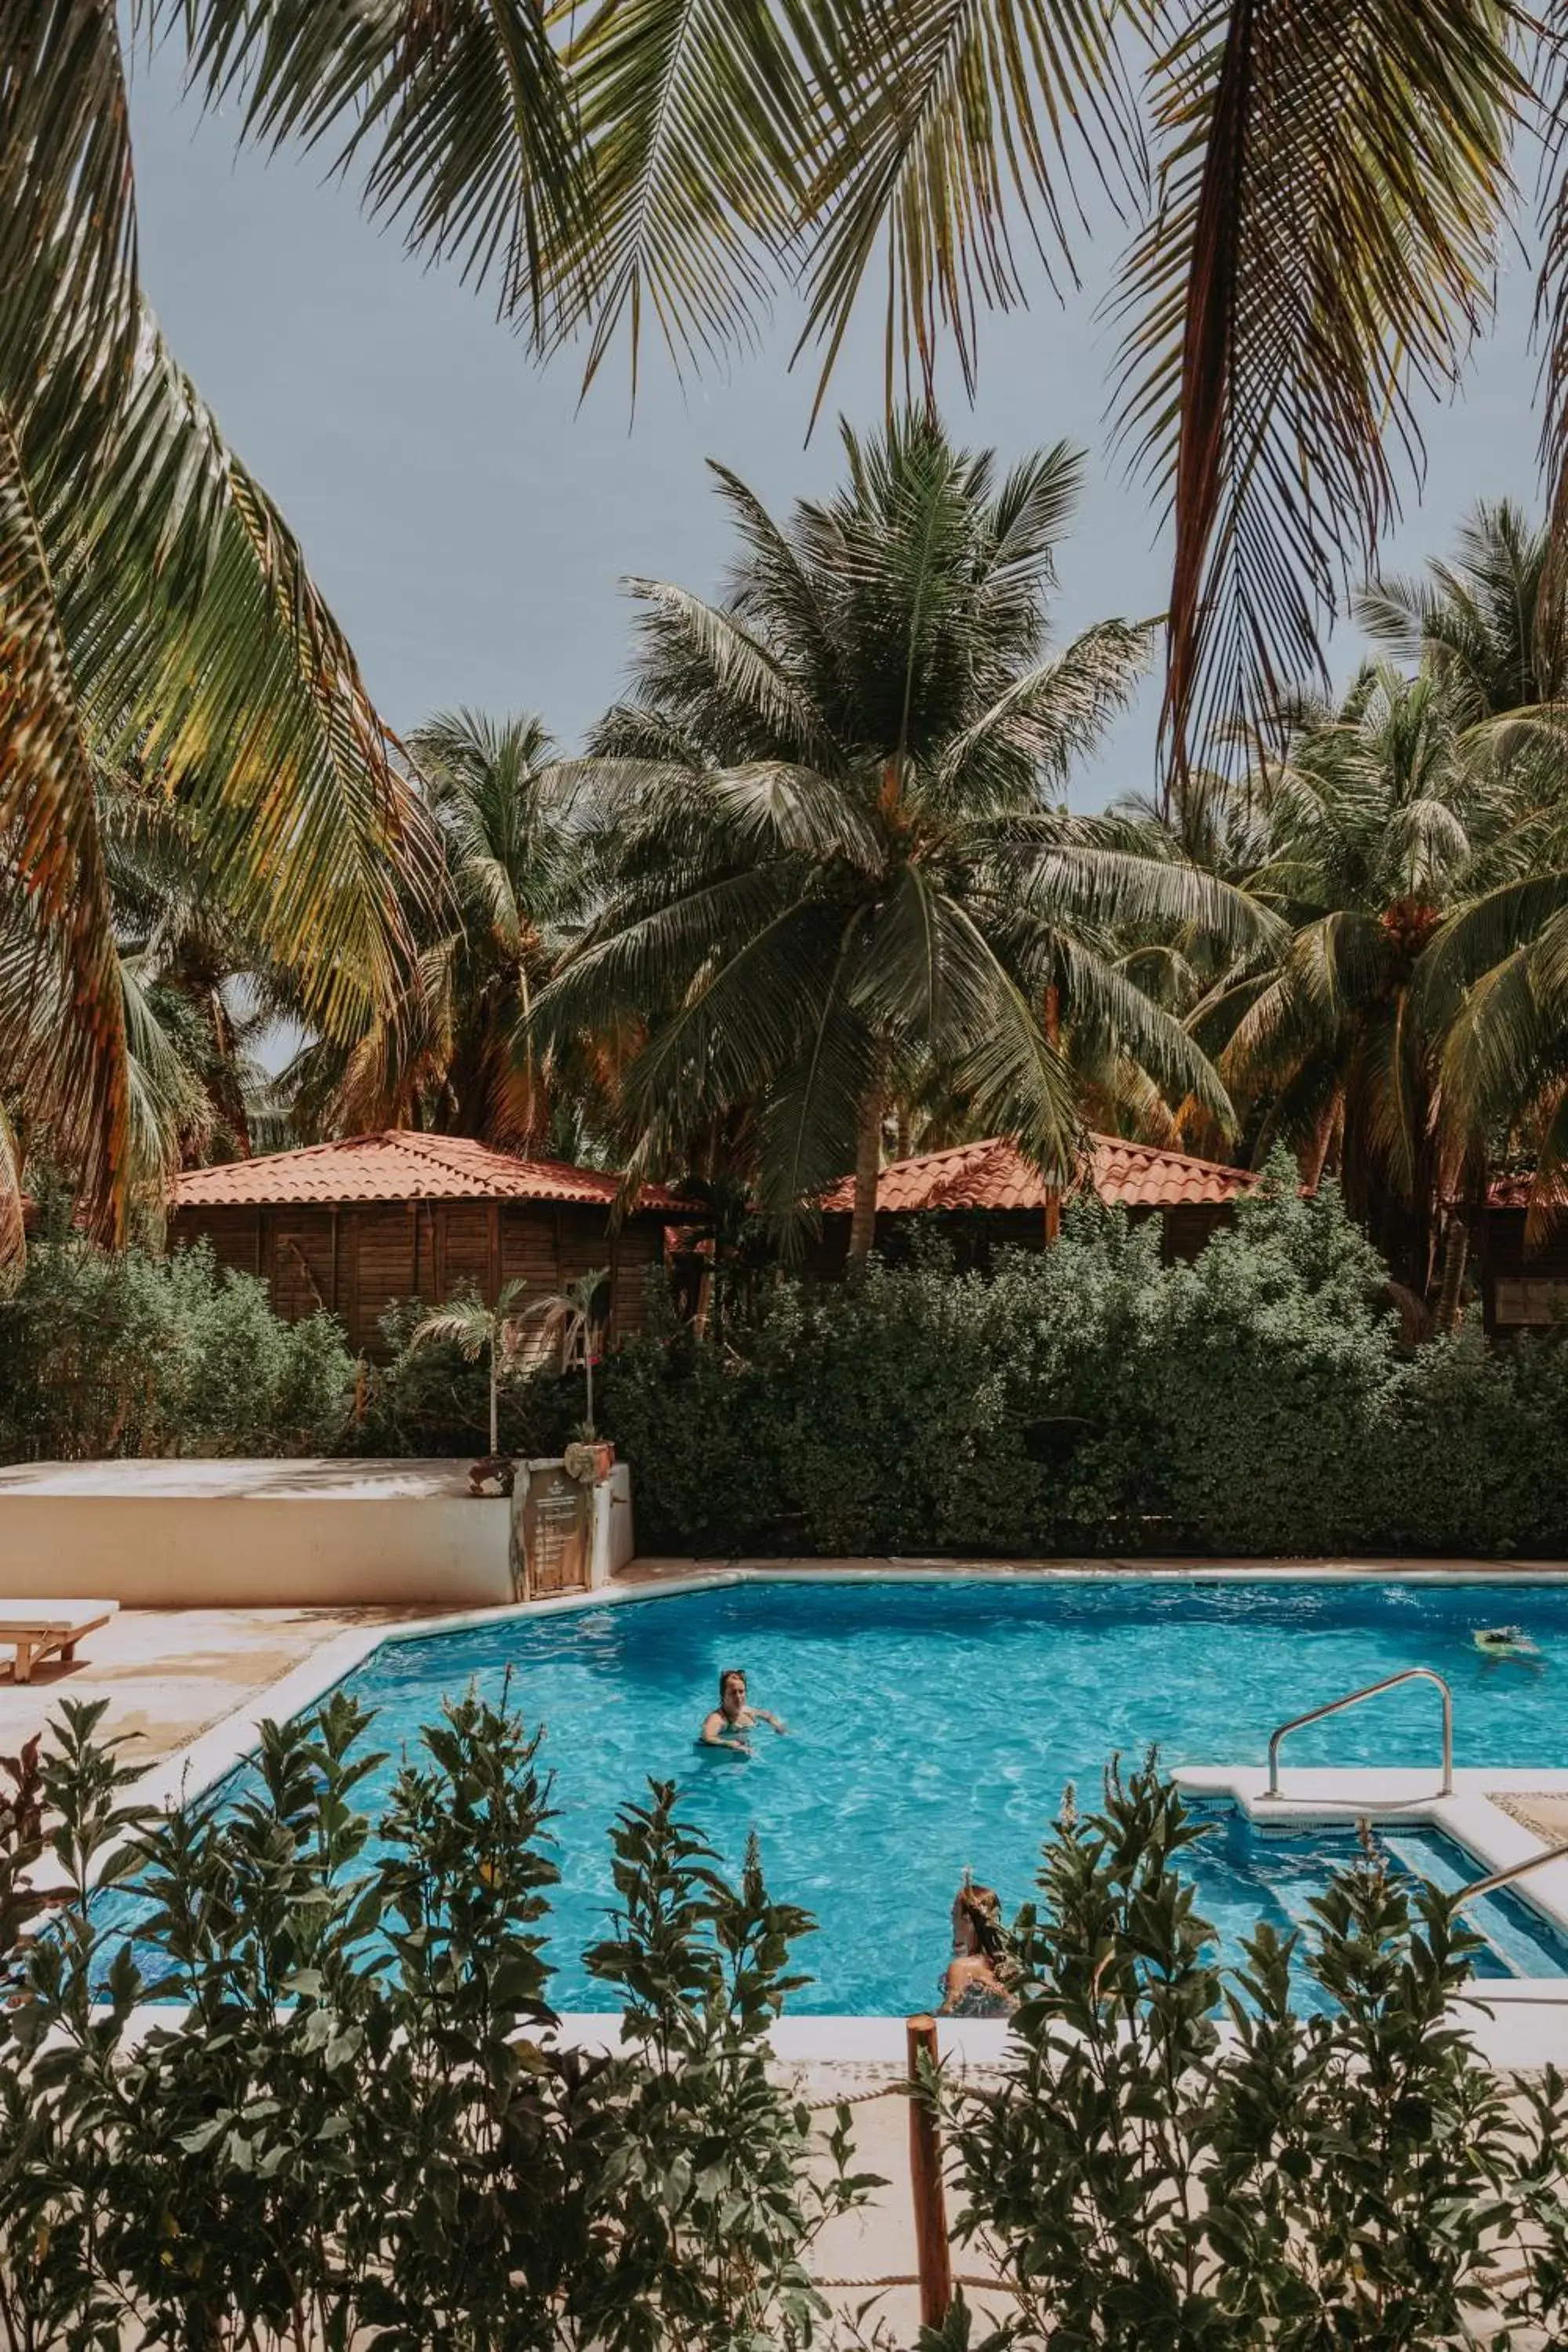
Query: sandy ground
point(168, 1673)
point(1545, 1817)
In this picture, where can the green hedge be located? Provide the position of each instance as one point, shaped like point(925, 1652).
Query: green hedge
point(1087, 1400)
point(1091, 1398)
point(128, 1354)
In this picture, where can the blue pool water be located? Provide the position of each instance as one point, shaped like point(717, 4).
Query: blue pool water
point(934, 1726)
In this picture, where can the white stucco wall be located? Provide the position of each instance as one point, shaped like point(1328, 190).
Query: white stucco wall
point(272, 1534)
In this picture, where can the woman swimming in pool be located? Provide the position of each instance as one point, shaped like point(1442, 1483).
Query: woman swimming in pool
point(734, 1716)
point(977, 1982)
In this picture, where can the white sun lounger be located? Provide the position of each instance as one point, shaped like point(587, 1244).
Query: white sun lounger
point(35, 1630)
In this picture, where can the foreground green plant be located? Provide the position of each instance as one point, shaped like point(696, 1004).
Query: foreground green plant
point(354, 2124)
point(1145, 2178)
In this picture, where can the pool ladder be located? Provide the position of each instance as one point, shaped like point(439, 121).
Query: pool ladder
point(1354, 1698)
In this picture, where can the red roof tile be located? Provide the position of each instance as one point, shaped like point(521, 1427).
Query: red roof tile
point(401, 1165)
point(996, 1175)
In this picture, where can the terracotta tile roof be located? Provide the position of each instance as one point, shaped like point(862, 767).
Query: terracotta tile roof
point(400, 1165)
point(996, 1175)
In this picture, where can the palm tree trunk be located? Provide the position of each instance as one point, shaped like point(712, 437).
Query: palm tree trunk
point(1455, 1252)
point(495, 1408)
point(1053, 1023)
point(867, 1168)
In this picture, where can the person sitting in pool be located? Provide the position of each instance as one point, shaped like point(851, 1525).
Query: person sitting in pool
point(976, 1982)
point(734, 1716)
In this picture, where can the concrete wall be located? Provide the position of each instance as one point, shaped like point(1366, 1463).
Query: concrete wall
point(190, 1535)
point(326, 1535)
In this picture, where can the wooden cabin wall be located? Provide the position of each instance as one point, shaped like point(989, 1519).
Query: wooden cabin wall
point(356, 1260)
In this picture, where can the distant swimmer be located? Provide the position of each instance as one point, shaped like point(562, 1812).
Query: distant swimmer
point(734, 1716)
point(1504, 1641)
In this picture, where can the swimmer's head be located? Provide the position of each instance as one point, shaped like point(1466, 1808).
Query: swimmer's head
point(978, 1918)
point(732, 1690)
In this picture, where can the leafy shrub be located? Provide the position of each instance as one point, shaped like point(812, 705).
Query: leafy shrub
point(1093, 1399)
point(314, 2149)
point(1148, 2183)
point(107, 1354)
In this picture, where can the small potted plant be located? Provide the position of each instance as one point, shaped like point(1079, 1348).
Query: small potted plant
point(589, 1458)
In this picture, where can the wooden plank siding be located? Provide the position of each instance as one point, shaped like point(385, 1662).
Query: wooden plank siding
point(357, 1259)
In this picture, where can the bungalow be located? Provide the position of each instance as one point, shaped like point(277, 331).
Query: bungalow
point(352, 1226)
point(987, 1196)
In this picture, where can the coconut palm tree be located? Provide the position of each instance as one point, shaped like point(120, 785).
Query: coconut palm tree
point(837, 849)
point(156, 608)
point(1492, 626)
point(1368, 831)
point(441, 1056)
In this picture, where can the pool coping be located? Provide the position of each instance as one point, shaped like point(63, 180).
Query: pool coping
point(1520, 2037)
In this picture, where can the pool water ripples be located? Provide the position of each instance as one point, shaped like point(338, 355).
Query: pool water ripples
point(934, 1726)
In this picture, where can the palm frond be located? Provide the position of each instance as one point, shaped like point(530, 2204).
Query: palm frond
point(696, 117)
point(1322, 249)
point(456, 116)
point(51, 853)
point(959, 125)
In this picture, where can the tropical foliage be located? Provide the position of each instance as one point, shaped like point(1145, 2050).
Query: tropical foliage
point(840, 857)
point(311, 2150)
point(127, 1353)
point(1353, 2176)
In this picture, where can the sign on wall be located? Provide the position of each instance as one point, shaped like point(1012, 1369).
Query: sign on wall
point(550, 1533)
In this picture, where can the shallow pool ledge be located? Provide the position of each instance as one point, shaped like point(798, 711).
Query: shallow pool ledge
point(1311, 1795)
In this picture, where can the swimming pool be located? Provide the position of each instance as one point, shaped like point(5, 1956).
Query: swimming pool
point(933, 1725)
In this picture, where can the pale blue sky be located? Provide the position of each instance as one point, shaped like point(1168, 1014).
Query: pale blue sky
point(470, 523)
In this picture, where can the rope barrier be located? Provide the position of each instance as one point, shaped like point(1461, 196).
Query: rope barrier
point(899, 2090)
point(984, 2286)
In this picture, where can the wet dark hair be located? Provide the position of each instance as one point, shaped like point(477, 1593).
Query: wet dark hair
point(732, 1675)
point(981, 1906)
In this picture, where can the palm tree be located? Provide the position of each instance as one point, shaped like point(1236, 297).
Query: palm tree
point(156, 608)
point(442, 1057)
point(834, 848)
point(1493, 628)
point(1366, 832)
point(1315, 245)
point(496, 1332)
point(1492, 625)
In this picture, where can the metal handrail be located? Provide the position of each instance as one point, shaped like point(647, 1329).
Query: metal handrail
point(1353, 1698)
point(1497, 1878)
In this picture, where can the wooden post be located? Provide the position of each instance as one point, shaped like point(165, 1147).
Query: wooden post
point(933, 2256)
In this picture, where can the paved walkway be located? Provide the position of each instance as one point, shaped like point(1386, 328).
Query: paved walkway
point(169, 1673)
